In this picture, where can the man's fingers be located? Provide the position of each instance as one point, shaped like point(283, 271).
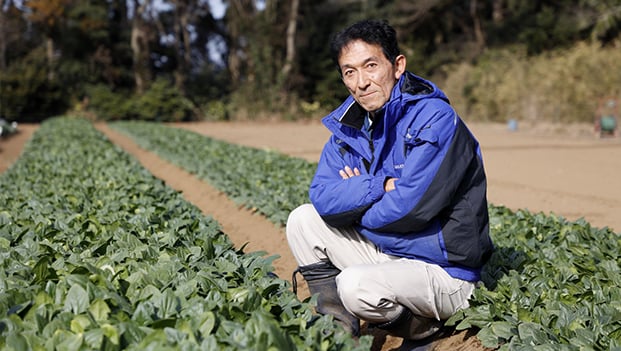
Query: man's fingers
point(349, 171)
point(390, 184)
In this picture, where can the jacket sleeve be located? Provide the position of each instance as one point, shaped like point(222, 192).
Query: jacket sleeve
point(429, 178)
point(341, 202)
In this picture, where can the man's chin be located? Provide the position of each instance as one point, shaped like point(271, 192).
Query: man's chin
point(370, 108)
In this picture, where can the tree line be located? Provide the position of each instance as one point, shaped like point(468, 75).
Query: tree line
point(175, 60)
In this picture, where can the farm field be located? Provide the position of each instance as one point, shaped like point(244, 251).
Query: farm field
point(548, 168)
point(565, 172)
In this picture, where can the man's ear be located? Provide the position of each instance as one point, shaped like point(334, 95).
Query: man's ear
point(400, 63)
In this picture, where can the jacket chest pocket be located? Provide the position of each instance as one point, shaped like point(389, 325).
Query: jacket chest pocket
point(417, 137)
point(412, 139)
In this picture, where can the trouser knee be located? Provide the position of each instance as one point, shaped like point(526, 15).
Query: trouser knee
point(296, 222)
point(361, 297)
point(305, 231)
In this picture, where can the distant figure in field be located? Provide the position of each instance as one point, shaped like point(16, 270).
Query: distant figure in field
point(607, 118)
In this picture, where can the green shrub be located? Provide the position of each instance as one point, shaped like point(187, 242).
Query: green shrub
point(162, 103)
point(214, 110)
point(106, 103)
point(26, 91)
point(561, 86)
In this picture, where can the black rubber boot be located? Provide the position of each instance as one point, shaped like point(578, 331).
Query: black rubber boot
point(321, 279)
point(419, 333)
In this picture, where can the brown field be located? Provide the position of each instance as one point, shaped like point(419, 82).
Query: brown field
point(563, 170)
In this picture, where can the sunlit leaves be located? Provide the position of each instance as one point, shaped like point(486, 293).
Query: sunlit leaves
point(551, 283)
point(99, 254)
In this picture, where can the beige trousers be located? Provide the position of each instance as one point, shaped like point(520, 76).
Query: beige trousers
point(372, 285)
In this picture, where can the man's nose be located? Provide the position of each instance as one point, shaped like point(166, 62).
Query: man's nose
point(363, 80)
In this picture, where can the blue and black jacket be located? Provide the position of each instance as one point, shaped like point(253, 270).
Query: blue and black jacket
point(438, 210)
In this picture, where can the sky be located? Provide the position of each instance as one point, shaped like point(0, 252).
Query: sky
point(217, 8)
point(216, 45)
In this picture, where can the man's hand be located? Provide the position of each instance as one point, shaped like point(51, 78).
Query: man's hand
point(389, 185)
point(347, 172)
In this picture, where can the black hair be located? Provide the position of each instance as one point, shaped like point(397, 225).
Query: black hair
point(375, 32)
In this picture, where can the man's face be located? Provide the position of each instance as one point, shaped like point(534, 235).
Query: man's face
point(368, 75)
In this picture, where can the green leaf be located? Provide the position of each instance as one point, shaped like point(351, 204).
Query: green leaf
point(4, 244)
point(43, 271)
point(488, 338)
point(16, 342)
point(168, 305)
point(503, 330)
point(79, 324)
point(456, 317)
point(584, 338)
point(208, 322)
point(532, 334)
point(66, 341)
point(111, 332)
point(94, 338)
point(131, 333)
point(164, 323)
point(77, 300)
point(99, 309)
point(267, 333)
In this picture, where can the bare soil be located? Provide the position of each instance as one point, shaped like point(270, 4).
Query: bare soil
point(563, 170)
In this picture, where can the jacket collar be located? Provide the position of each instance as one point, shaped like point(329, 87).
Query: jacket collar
point(409, 88)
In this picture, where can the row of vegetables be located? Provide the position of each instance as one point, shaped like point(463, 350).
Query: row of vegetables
point(551, 284)
point(260, 179)
point(96, 253)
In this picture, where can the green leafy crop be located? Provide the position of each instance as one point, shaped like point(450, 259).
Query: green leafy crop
point(551, 284)
point(96, 253)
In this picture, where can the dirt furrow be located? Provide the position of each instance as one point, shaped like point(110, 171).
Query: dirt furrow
point(11, 147)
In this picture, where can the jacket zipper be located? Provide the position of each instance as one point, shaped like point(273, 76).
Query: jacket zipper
point(367, 164)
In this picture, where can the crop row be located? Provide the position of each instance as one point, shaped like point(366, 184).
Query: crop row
point(551, 284)
point(96, 253)
point(262, 180)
